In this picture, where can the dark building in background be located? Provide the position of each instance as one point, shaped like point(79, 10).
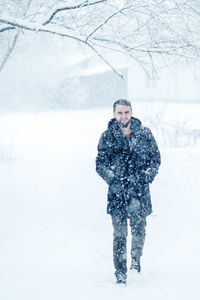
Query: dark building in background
point(97, 89)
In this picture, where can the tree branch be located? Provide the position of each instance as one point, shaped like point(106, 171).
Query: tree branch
point(33, 27)
point(129, 54)
point(105, 61)
point(19, 23)
point(114, 14)
point(159, 50)
point(6, 28)
point(110, 17)
point(63, 7)
point(10, 50)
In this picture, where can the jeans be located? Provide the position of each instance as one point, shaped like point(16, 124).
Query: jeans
point(138, 231)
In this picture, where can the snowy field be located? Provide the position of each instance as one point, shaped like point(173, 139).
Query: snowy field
point(55, 235)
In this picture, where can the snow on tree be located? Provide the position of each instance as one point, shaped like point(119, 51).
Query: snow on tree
point(141, 29)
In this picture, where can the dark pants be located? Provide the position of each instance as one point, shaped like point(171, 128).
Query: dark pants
point(138, 226)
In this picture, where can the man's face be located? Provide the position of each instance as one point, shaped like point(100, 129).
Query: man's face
point(122, 113)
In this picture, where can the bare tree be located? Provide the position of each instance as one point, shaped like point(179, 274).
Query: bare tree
point(141, 29)
point(9, 41)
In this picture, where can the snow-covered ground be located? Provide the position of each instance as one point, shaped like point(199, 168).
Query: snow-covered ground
point(55, 235)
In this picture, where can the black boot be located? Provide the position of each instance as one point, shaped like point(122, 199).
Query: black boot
point(121, 278)
point(135, 264)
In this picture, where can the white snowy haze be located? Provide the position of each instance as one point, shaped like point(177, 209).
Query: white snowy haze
point(55, 236)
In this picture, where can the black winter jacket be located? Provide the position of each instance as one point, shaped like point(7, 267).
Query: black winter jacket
point(128, 165)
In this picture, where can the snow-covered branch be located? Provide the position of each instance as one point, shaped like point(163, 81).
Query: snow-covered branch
point(52, 30)
point(63, 7)
point(3, 29)
point(106, 21)
point(140, 28)
point(19, 23)
point(10, 50)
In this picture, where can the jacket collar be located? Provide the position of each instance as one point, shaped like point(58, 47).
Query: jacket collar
point(136, 126)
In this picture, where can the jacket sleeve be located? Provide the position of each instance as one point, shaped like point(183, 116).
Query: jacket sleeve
point(103, 160)
point(154, 160)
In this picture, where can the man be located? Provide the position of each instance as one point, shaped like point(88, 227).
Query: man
point(128, 160)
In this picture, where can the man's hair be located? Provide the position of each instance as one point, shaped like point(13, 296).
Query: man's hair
point(121, 102)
